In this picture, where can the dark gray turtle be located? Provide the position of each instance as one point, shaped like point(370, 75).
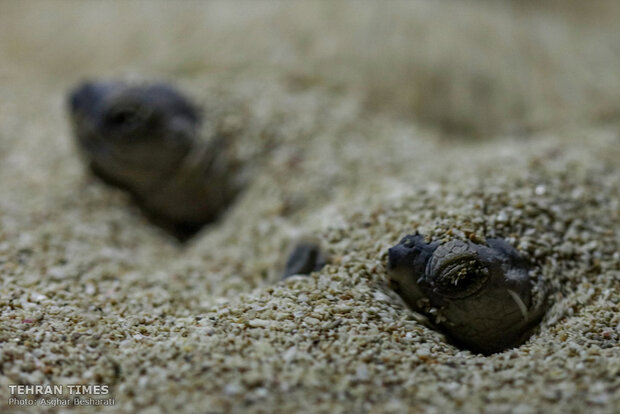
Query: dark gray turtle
point(146, 139)
point(481, 295)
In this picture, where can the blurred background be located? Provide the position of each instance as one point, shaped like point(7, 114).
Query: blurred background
point(477, 68)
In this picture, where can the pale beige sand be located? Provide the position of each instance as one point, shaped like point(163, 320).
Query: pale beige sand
point(91, 293)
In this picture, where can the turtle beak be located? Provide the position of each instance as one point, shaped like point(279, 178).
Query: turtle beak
point(398, 256)
point(409, 251)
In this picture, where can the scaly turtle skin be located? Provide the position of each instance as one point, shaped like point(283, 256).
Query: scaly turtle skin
point(483, 295)
point(145, 139)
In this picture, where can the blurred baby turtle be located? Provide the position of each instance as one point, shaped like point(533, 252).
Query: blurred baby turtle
point(305, 257)
point(145, 139)
point(482, 296)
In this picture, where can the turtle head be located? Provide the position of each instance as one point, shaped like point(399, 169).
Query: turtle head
point(132, 134)
point(480, 294)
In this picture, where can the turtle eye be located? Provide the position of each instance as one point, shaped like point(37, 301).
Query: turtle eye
point(460, 278)
point(126, 116)
point(455, 271)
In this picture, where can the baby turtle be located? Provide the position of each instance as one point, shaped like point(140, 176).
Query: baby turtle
point(483, 295)
point(146, 139)
point(305, 257)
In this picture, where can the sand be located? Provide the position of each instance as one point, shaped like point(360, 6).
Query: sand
point(92, 293)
